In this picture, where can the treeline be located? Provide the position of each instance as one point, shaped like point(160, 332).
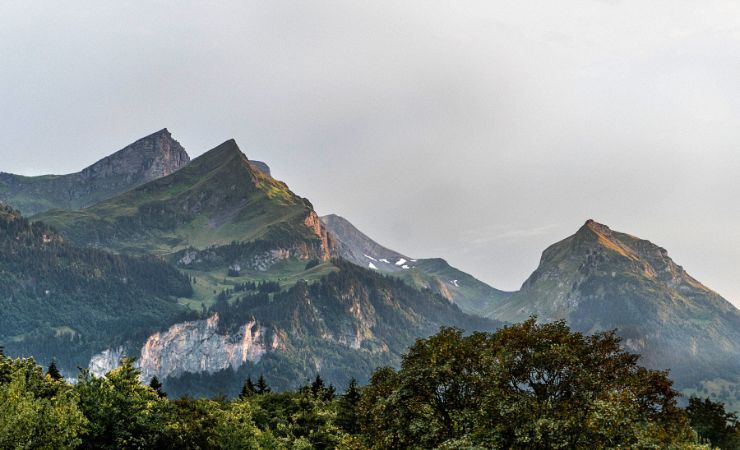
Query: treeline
point(527, 386)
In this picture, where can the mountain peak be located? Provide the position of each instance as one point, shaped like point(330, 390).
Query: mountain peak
point(149, 158)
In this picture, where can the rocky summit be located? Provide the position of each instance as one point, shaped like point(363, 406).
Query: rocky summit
point(599, 279)
point(147, 159)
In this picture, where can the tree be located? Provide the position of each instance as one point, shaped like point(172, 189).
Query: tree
point(713, 424)
point(317, 386)
point(157, 386)
point(123, 412)
point(262, 387)
point(248, 389)
point(37, 412)
point(347, 418)
point(529, 385)
point(53, 371)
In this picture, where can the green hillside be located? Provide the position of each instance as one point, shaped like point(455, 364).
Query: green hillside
point(67, 302)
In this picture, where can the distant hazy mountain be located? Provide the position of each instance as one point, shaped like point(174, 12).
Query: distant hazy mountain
point(65, 302)
point(470, 294)
point(599, 279)
point(147, 159)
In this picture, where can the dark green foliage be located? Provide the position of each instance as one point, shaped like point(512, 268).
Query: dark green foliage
point(313, 263)
point(64, 302)
point(157, 386)
point(347, 411)
point(714, 425)
point(525, 386)
point(53, 371)
point(248, 390)
point(262, 387)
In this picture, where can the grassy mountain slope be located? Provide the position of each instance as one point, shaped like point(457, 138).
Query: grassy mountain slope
point(62, 301)
point(599, 279)
point(470, 294)
point(149, 158)
point(216, 200)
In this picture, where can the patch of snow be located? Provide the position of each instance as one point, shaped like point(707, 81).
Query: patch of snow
point(369, 257)
point(372, 266)
point(385, 261)
point(401, 262)
point(455, 283)
point(405, 266)
point(412, 260)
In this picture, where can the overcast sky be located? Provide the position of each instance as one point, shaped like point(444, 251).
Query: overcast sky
point(478, 131)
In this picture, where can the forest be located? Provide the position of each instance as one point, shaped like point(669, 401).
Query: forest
point(524, 386)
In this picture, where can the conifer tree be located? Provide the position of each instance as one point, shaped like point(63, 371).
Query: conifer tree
point(157, 386)
point(53, 371)
point(317, 387)
point(262, 387)
point(347, 408)
point(248, 389)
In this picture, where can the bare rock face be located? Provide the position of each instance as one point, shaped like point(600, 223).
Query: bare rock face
point(154, 156)
point(147, 159)
point(193, 347)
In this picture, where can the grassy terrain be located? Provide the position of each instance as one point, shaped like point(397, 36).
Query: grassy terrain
point(470, 294)
point(207, 284)
point(217, 199)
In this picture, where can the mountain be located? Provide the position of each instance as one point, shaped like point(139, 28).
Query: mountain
point(599, 279)
point(343, 326)
point(66, 302)
point(470, 294)
point(218, 207)
point(270, 294)
point(147, 159)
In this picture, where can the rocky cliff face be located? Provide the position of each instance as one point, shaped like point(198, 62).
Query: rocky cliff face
point(194, 347)
point(154, 156)
point(147, 159)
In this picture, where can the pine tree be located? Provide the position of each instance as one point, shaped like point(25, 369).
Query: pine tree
point(317, 387)
point(2, 350)
point(248, 389)
point(157, 386)
point(262, 387)
point(53, 371)
point(347, 417)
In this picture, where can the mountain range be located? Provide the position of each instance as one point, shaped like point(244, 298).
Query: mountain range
point(259, 283)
